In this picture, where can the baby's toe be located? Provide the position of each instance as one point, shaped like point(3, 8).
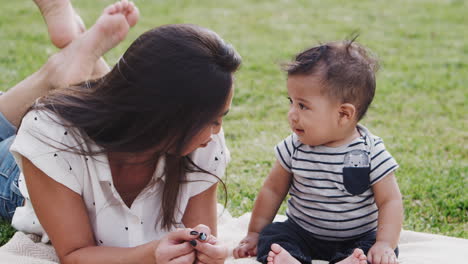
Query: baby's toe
point(276, 248)
point(358, 252)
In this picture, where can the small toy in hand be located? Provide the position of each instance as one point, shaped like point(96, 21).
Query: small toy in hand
point(203, 237)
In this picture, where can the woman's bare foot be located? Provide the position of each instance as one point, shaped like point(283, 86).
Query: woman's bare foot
point(75, 63)
point(279, 255)
point(132, 14)
point(358, 257)
point(63, 23)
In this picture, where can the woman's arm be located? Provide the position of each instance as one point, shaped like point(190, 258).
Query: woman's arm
point(201, 215)
point(64, 217)
point(201, 209)
point(15, 103)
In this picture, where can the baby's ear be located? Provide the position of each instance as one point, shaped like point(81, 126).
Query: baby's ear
point(347, 113)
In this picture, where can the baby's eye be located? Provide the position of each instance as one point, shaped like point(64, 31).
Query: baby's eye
point(302, 106)
point(290, 100)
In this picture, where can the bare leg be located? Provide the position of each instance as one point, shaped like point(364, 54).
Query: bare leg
point(74, 63)
point(63, 24)
point(109, 30)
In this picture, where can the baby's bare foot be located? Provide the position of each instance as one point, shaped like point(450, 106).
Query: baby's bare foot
point(75, 62)
point(279, 255)
point(63, 24)
point(358, 257)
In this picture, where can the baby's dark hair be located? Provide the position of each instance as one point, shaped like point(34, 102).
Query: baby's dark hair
point(347, 70)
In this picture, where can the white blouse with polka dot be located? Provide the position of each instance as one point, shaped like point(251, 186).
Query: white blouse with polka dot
point(41, 140)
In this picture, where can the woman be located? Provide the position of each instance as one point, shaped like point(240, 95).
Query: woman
point(123, 160)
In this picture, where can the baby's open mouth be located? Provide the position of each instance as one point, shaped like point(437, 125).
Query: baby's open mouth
point(299, 130)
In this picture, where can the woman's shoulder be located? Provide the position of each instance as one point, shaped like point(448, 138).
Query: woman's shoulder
point(47, 127)
point(48, 144)
point(41, 121)
point(214, 159)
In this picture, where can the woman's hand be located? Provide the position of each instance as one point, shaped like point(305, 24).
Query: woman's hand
point(175, 247)
point(211, 251)
point(247, 247)
point(208, 249)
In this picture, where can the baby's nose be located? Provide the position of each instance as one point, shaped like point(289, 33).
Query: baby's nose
point(292, 115)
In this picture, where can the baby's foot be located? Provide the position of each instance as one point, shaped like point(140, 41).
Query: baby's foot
point(82, 54)
point(63, 24)
point(279, 255)
point(358, 257)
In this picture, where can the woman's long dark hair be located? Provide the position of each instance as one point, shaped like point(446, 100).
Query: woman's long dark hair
point(170, 83)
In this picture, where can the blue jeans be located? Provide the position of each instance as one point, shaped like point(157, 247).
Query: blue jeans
point(10, 195)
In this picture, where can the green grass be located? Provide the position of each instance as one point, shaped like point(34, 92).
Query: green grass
point(420, 109)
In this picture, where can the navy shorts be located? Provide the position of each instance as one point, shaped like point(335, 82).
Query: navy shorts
point(304, 247)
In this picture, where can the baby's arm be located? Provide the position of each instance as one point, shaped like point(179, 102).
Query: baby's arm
point(388, 198)
point(266, 206)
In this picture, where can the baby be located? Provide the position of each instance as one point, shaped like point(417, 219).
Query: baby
point(345, 205)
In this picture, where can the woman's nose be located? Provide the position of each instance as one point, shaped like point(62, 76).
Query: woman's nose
point(215, 129)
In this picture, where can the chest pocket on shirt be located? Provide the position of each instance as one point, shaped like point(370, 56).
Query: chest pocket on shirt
point(356, 171)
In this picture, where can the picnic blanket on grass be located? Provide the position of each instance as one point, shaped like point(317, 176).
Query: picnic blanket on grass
point(415, 247)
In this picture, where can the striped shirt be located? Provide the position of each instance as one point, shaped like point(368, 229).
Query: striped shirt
point(319, 201)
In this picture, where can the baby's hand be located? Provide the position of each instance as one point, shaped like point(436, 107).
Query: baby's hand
point(381, 253)
point(247, 247)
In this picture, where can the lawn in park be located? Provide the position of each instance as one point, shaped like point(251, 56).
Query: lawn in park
point(420, 108)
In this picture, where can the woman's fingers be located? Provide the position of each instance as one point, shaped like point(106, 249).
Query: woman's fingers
point(208, 253)
point(212, 240)
point(181, 235)
point(187, 258)
point(179, 249)
point(204, 232)
point(207, 247)
point(175, 247)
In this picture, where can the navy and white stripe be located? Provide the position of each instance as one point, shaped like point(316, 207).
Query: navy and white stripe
point(319, 202)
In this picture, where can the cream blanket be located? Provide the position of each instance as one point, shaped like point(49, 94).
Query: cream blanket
point(415, 248)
